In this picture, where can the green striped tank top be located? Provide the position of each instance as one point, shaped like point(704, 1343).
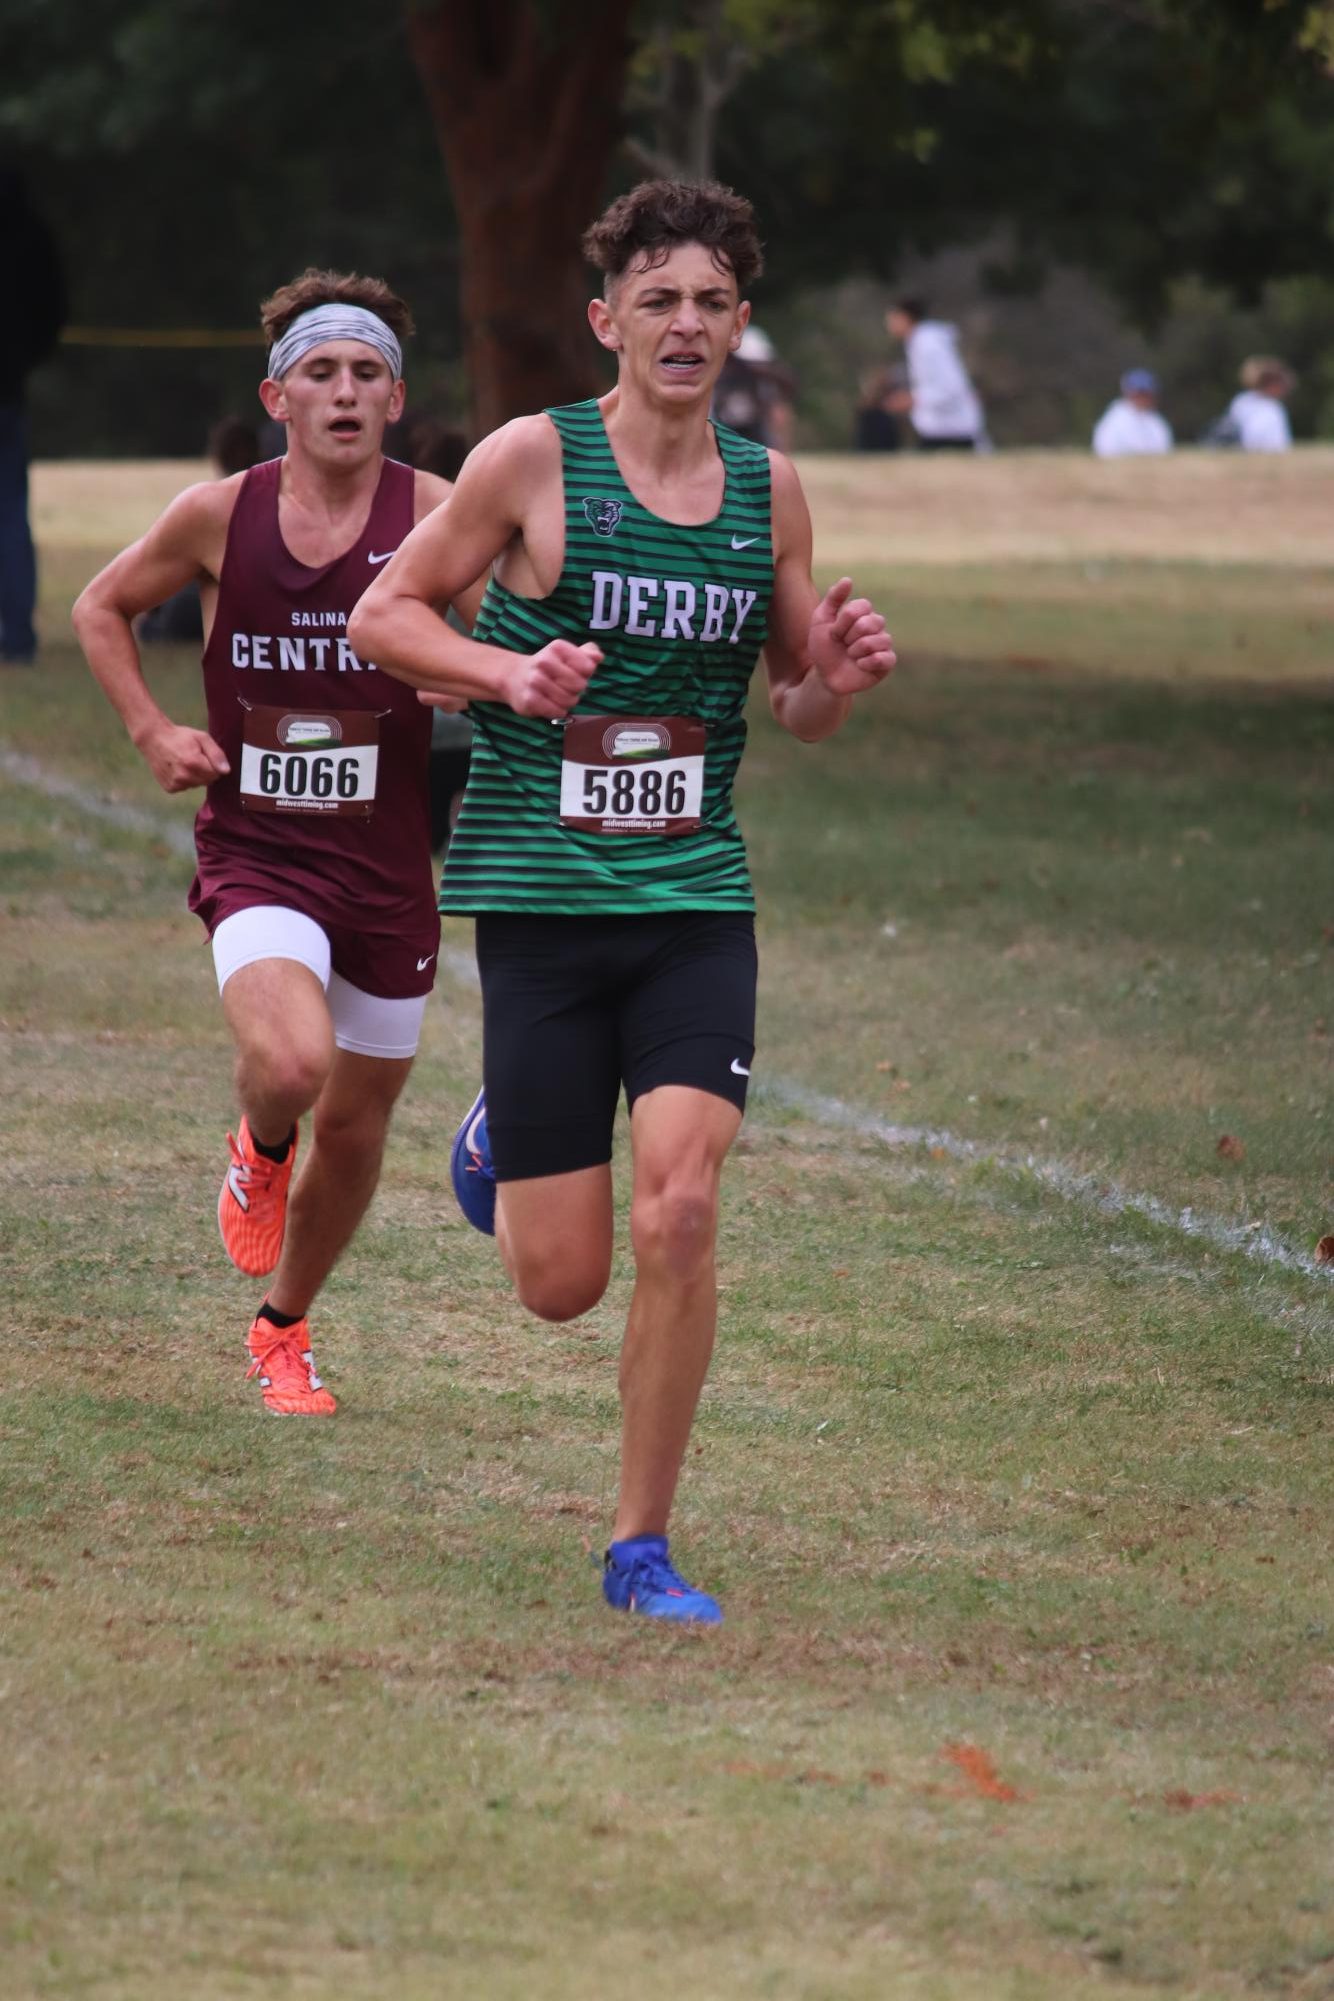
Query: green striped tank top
point(680, 615)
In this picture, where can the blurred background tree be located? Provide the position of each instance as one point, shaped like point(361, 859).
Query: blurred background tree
point(1166, 162)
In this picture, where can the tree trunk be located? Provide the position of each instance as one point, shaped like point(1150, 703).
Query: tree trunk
point(698, 57)
point(526, 103)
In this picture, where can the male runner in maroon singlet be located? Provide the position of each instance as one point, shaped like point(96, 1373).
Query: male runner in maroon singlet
point(314, 877)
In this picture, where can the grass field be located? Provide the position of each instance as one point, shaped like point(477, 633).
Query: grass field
point(1018, 1497)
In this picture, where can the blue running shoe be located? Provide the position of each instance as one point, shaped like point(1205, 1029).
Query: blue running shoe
point(471, 1170)
point(639, 1576)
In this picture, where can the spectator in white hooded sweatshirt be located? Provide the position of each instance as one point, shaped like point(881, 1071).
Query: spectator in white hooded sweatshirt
point(1132, 427)
point(1259, 417)
point(940, 399)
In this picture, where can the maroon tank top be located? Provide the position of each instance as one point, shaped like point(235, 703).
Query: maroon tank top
point(325, 807)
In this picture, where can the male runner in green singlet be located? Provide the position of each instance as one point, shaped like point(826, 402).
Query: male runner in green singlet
point(643, 558)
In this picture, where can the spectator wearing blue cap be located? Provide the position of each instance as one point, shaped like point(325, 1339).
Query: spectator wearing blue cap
point(1133, 426)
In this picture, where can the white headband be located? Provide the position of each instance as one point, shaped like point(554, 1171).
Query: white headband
point(326, 323)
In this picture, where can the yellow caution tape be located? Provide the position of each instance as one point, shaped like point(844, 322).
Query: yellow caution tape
point(160, 337)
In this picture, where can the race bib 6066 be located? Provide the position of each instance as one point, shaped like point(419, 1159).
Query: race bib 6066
point(310, 761)
point(632, 774)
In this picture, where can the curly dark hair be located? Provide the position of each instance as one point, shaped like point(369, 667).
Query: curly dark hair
point(333, 288)
point(656, 216)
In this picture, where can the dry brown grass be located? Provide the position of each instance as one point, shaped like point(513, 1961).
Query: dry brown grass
point(1019, 1511)
point(77, 503)
point(1029, 507)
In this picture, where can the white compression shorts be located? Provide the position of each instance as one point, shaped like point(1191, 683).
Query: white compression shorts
point(364, 1024)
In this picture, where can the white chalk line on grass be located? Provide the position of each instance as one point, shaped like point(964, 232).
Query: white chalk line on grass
point(1255, 1241)
point(1252, 1240)
point(173, 834)
point(113, 812)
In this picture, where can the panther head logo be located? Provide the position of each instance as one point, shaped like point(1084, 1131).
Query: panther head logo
point(603, 516)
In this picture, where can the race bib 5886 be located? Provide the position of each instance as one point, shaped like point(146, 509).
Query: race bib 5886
point(632, 774)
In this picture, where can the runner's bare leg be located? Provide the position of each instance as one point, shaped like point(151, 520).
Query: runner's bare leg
point(681, 1138)
point(554, 1233)
point(279, 1019)
point(333, 1188)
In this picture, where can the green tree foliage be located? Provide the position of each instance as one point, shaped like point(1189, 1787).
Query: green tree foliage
point(193, 156)
point(196, 152)
point(193, 153)
point(1144, 139)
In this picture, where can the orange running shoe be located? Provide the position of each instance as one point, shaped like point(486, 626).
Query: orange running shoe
point(252, 1207)
point(282, 1359)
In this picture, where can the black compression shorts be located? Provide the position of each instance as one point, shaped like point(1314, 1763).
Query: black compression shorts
point(574, 1007)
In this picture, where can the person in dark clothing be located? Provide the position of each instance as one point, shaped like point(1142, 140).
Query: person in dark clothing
point(430, 444)
point(427, 443)
point(233, 446)
point(754, 393)
point(30, 326)
point(877, 427)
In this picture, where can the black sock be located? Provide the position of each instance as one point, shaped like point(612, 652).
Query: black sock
point(276, 1319)
point(277, 1153)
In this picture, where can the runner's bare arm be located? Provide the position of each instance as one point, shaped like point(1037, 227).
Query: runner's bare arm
point(396, 623)
point(821, 651)
point(184, 546)
point(431, 491)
